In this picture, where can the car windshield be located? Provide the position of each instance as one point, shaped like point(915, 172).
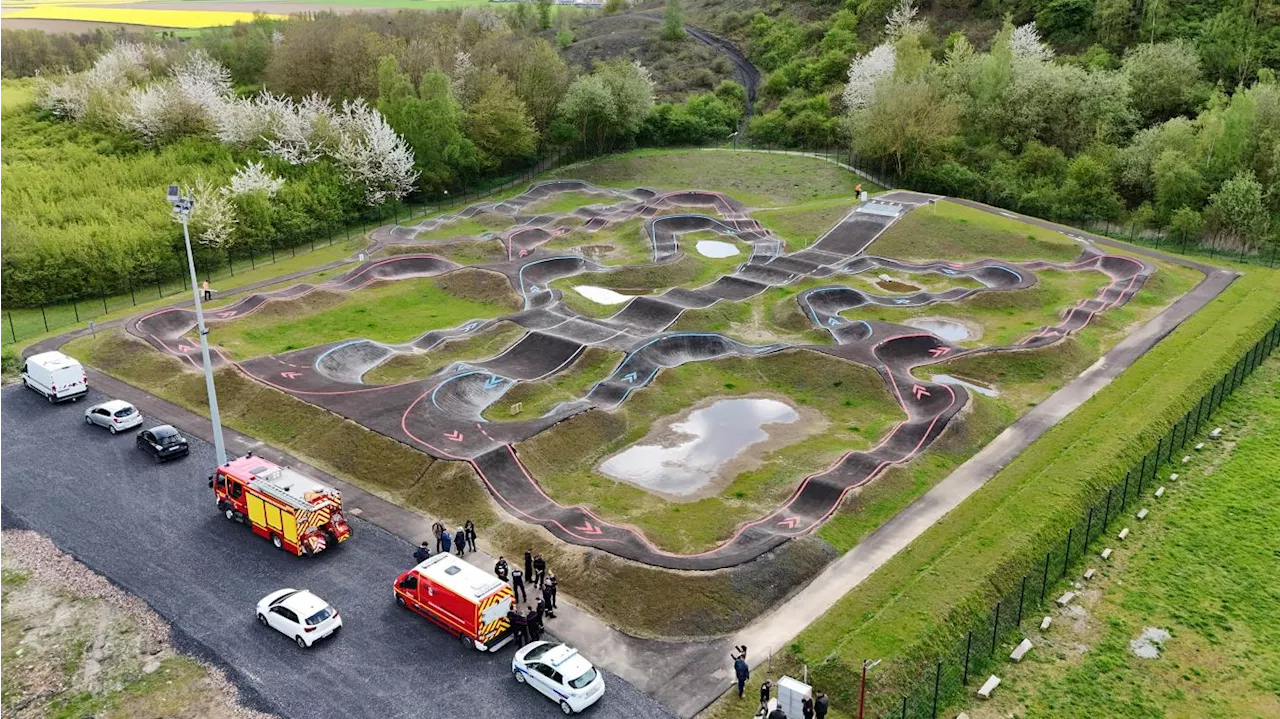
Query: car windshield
point(587, 677)
point(124, 412)
point(319, 616)
point(539, 651)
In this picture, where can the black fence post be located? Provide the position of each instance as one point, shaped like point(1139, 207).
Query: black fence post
point(104, 305)
point(1021, 594)
point(231, 266)
point(1044, 583)
point(1066, 556)
point(995, 629)
point(1159, 449)
point(1199, 411)
point(937, 684)
point(132, 297)
point(1106, 512)
point(904, 706)
point(1124, 496)
point(44, 317)
point(12, 332)
point(968, 645)
point(1088, 528)
point(75, 307)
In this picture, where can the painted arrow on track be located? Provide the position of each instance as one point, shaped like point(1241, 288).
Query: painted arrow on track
point(629, 378)
point(789, 523)
point(454, 436)
point(186, 348)
point(588, 528)
point(939, 351)
point(832, 322)
point(919, 391)
point(469, 326)
point(291, 375)
point(228, 313)
point(493, 381)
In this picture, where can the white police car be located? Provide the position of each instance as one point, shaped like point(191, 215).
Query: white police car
point(559, 672)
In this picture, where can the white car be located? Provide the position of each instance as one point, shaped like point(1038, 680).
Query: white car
point(114, 414)
point(299, 615)
point(559, 672)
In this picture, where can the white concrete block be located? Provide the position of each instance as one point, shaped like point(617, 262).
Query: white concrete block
point(1186, 458)
point(962, 715)
point(1142, 513)
point(1174, 477)
point(1044, 623)
point(1216, 433)
point(1088, 573)
point(1065, 599)
point(989, 686)
point(1021, 650)
point(1123, 533)
point(1160, 492)
point(1077, 585)
point(1200, 445)
point(1106, 554)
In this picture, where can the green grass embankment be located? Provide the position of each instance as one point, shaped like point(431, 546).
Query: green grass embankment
point(919, 603)
point(480, 346)
point(957, 233)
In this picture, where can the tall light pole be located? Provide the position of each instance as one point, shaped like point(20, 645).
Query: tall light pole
point(182, 207)
point(862, 687)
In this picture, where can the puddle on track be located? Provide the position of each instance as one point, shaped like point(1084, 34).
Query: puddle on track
point(601, 295)
point(948, 379)
point(948, 330)
point(707, 439)
point(716, 248)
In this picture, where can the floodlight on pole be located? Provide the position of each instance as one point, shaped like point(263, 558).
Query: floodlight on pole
point(862, 686)
point(182, 206)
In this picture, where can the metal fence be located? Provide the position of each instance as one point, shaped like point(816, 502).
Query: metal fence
point(994, 634)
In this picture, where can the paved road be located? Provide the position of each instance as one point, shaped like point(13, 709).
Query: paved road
point(153, 530)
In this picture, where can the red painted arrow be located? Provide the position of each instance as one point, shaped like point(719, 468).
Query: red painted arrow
point(789, 523)
point(455, 435)
point(523, 252)
point(588, 528)
point(939, 351)
point(226, 314)
point(185, 348)
point(919, 391)
point(291, 375)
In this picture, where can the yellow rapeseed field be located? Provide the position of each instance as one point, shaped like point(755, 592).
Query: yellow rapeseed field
point(132, 16)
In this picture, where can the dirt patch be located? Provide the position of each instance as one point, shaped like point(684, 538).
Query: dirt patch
point(477, 285)
point(896, 286)
point(93, 650)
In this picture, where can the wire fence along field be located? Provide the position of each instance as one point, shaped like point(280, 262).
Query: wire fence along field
point(994, 634)
point(215, 266)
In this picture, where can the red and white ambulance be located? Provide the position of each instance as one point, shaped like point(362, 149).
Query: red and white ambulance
point(297, 513)
point(466, 600)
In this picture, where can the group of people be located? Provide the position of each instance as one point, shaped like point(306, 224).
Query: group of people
point(814, 707)
point(460, 541)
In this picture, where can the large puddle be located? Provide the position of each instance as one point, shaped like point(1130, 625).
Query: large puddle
point(601, 295)
point(948, 330)
point(716, 248)
point(948, 379)
point(704, 441)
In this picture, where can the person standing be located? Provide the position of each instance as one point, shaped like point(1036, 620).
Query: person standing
point(470, 528)
point(777, 713)
point(806, 707)
point(519, 627)
point(548, 600)
point(446, 541)
point(534, 624)
point(539, 611)
point(438, 529)
point(743, 673)
point(765, 689)
point(207, 290)
point(539, 571)
point(517, 585)
point(528, 563)
point(423, 552)
point(820, 704)
point(460, 539)
point(500, 569)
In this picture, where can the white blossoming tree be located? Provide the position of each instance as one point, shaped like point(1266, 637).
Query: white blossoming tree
point(1027, 44)
point(213, 216)
point(864, 72)
point(372, 156)
point(253, 177)
point(901, 21)
point(188, 103)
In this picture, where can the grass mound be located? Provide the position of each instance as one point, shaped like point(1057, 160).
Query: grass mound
point(958, 233)
point(482, 345)
point(573, 382)
point(803, 224)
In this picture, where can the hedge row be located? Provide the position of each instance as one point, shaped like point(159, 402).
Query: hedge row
point(916, 607)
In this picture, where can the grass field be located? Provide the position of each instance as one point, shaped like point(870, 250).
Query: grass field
point(957, 233)
point(801, 225)
point(391, 312)
point(848, 402)
point(141, 16)
point(918, 601)
point(1202, 567)
point(758, 180)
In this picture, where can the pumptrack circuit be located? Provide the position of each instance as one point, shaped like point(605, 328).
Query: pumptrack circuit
point(442, 415)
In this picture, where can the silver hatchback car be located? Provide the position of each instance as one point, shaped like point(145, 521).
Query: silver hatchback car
point(115, 414)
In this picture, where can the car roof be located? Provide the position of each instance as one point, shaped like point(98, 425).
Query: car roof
point(164, 430)
point(566, 660)
point(304, 603)
point(114, 404)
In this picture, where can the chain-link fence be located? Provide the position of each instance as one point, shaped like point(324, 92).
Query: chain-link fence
point(994, 635)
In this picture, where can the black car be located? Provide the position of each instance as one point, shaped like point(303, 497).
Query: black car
point(163, 442)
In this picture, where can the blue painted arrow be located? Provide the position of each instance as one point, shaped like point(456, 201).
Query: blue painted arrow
point(534, 288)
point(468, 326)
point(832, 322)
point(493, 381)
point(902, 302)
point(629, 378)
point(948, 272)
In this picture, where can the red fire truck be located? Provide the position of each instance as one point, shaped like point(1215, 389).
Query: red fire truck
point(297, 513)
point(466, 600)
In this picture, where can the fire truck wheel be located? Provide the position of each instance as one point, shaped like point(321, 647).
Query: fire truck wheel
point(564, 707)
point(301, 642)
point(519, 676)
point(275, 541)
point(230, 514)
point(467, 641)
point(401, 602)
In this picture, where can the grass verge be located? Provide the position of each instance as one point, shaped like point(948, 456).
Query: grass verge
point(1201, 567)
point(802, 225)
point(924, 598)
point(958, 233)
point(482, 345)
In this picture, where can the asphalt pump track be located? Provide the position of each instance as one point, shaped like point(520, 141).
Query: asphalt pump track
point(442, 415)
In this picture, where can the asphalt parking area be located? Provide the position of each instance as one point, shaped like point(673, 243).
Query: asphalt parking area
point(154, 530)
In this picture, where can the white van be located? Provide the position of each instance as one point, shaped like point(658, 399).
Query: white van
point(56, 376)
